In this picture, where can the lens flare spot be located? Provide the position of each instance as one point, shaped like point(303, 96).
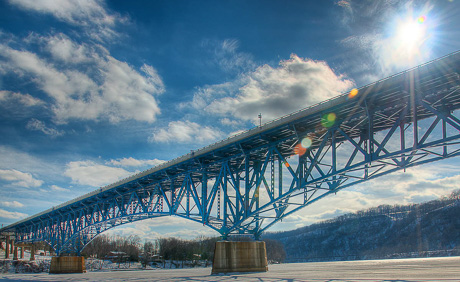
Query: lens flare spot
point(353, 93)
point(299, 150)
point(421, 19)
point(331, 117)
point(328, 120)
point(306, 142)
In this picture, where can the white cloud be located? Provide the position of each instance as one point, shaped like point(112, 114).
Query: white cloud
point(85, 82)
point(416, 185)
point(93, 174)
point(130, 92)
point(91, 15)
point(126, 231)
point(190, 234)
point(225, 54)
point(35, 124)
point(295, 84)
point(19, 178)
point(11, 159)
point(230, 122)
point(186, 131)
point(12, 215)
point(131, 162)
point(63, 49)
point(167, 226)
point(12, 204)
point(25, 99)
point(343, 3)
point(58, 189)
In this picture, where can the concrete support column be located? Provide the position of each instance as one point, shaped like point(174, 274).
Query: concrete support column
point(11, 245)
point(15, 253)
point(239, 257)
point(7, 247)
point(67, 265)
point(32, 253)
point(21, 253)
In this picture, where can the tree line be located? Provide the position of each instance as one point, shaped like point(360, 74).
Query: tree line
point(431, 228)
point(172, 249)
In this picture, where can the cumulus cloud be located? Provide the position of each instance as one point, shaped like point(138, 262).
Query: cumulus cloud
point(64, 50)
point(84, 82)
point(18, 178)
point(12, 204)
point(186, 131)
point(416, 185)
point(273, 91)
point(91, 15)
point(35, 124)
point(12, 215)
point(230, 122)
point(15, 98)
point(58, 189)
point(93, 174)
point(132, 162)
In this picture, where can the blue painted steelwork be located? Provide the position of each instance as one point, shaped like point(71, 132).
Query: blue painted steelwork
point(247, 183)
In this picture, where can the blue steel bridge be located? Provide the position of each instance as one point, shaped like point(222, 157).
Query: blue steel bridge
point(248, 182)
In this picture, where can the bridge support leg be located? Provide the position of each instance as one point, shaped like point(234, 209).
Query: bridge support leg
point(32, 253)
point(15, 253)
point(7, 247)
point(67, 265)
point(11, 246)
point(239, 257)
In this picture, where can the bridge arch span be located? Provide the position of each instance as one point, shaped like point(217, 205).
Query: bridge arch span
point(248, 182)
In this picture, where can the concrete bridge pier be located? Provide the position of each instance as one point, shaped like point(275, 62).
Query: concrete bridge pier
point(15, 253)
point(20, 249)
point(32, 252)
point(230, 256)
point(61, 265)
point(11, 246)
point(7, 247)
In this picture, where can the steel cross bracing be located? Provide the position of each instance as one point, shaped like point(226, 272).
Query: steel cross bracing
point(248, 184)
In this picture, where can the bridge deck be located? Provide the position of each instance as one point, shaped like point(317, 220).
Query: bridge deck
point(439, 78)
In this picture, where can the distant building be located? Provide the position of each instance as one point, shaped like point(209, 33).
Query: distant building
point(117, 257)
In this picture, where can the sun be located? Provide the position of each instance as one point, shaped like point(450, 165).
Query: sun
point(411, 35)
point(410, 38)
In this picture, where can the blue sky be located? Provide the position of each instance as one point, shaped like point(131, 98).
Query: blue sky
point(94, 91)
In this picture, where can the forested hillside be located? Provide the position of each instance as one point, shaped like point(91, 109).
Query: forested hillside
point(427, 229)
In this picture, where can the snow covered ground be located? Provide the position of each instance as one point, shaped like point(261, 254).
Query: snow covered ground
point(404, 270)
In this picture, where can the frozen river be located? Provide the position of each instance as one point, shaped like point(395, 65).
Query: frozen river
point(424, 269)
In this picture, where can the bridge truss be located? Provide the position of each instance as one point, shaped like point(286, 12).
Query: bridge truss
point(247, 183)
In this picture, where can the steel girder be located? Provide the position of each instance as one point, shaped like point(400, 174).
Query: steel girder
point(249, 185)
